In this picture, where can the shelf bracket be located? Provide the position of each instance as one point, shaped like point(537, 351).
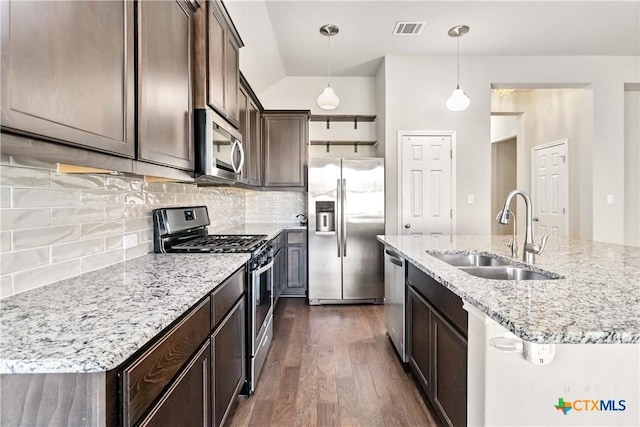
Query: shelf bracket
point(355, 122)
point(328, 145)
point(328, 125)
point(355, 147)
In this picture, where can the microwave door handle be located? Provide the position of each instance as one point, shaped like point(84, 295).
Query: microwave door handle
point(233, 155)
point(241, 150)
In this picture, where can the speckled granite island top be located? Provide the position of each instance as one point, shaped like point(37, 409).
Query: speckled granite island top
point(95, 321)
point(596, 301)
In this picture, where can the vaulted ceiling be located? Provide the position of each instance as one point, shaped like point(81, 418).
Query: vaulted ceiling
point(282, 37)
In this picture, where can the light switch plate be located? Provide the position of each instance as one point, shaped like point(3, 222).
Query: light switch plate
point(609, 199)
point(471, 199)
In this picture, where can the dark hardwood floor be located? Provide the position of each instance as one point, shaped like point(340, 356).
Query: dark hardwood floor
point(331, 366)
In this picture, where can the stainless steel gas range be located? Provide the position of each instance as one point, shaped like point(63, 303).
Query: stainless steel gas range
point(184, 230)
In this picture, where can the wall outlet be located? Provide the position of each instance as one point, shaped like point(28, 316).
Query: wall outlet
point(609, 199)
point(471, 199)
point(130, 241)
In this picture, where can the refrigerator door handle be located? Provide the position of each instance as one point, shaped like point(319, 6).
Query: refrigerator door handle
point(339, 230)
point(344, 217)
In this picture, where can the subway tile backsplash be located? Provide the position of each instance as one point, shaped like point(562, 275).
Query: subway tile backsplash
point(54, 226)
point(274, 206)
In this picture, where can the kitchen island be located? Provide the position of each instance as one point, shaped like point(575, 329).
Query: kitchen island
point(587, 320)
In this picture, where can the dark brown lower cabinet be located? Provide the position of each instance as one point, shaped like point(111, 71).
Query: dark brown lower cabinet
point(187, 401)
point(419, 316)
point(437, 349)
point(449, 372)
point(228, 343)
point(191, 374)
point(295, 283)
point(147, 376)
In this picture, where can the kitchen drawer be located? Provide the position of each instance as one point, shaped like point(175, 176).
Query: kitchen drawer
point(223, 298)
point(442, 299)
point(145, 378)
point(295, 237)
point(187, 401)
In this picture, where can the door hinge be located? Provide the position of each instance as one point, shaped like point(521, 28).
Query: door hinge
point(451, 154)
point(450, 213)
point(564, 211)
point(564, 159)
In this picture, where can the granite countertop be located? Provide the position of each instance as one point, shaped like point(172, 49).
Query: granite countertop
point(597, 300)
point(95, 321)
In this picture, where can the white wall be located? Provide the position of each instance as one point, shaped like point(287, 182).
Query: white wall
point(357, 96)
point(261, 63)
point(631, 169)
point(392, 210)
point(550, 115)
point(503, 127)
point(417, 87)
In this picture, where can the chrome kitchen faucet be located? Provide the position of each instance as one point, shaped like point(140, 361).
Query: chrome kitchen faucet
point(530, 249)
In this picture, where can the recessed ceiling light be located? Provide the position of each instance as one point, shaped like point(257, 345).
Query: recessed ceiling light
point(406, 28)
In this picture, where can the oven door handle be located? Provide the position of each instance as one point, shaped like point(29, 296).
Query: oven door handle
point(256, 280)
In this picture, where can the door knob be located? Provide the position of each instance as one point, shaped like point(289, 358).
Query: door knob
point(535, 218)
point(407, 226)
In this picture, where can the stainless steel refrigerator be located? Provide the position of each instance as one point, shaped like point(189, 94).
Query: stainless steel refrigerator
point(346, 212)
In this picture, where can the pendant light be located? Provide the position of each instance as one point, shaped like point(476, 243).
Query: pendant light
point(328, 100)
point(458, 100)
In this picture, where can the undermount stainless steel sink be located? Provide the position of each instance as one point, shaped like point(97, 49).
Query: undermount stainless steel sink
point(507, 273)
point(489, 267)
point(469, 260)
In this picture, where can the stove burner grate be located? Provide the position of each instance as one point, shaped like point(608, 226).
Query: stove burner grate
point(222, 243)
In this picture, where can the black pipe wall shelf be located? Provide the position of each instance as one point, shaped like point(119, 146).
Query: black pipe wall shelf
point(328, 118)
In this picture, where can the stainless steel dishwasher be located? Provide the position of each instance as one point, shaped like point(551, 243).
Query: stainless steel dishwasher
point(394, 300)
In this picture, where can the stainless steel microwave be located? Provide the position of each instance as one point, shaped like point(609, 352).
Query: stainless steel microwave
point(219, 153)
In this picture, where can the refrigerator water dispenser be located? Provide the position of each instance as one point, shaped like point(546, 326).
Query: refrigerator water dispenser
point(325, 216)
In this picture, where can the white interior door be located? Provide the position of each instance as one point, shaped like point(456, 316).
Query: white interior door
point(426, 184)
point(550, 193)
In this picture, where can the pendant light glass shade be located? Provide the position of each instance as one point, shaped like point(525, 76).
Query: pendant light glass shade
point(328, 100)
point(458, 101)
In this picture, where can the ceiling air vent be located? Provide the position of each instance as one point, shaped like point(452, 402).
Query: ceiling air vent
point(408, 28)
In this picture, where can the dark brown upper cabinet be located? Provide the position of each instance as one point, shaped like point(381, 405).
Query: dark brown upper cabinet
point(217, 49)
point(285, 145)
point(255, 143)
point(165, 107)
point(251, 129)
point(68, 72)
